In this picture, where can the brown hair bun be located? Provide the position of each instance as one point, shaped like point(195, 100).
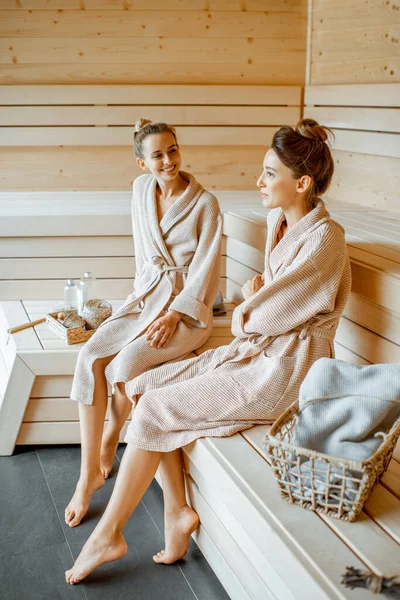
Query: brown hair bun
point(312, 130)
point(303, 150)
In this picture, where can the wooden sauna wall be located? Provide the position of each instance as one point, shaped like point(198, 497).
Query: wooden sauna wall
point(352, 43)
point(144, 42)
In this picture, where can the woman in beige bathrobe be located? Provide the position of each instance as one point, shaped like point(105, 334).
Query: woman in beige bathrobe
point(287, 321)
point(177, 233)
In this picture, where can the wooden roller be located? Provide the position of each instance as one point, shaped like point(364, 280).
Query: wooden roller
point(25, 325)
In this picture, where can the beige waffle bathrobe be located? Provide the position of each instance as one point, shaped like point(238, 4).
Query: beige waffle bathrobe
point(177, 267)
point(280, 331)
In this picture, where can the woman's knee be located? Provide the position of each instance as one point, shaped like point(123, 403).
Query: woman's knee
point(100, 364)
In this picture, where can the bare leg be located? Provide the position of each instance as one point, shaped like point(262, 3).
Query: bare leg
point(91, 419)
point(180, 519)
point(107, 543)
point(121, 407)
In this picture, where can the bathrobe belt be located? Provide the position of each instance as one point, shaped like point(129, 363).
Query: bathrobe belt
point(254, 344)
point(160, 264)
point(157, 262)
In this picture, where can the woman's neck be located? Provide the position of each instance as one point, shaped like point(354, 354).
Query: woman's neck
point(295, 213)
point(168, 190)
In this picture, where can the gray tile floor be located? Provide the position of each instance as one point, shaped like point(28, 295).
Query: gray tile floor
point(36, 546)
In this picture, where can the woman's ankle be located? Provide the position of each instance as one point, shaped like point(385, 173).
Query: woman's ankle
point(87, 478)
point(173, 511)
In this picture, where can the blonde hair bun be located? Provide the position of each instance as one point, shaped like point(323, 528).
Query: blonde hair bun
point(143, 127)
point(140, 124)
point(312, 130)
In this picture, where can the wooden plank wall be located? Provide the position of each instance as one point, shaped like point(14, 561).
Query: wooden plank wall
point(80, 137)
point(353, 86)
point(153, 41)
point(148, 42)
point(354, 42)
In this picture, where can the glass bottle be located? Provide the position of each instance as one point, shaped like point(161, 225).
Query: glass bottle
point(87, 290)
point(70, 295)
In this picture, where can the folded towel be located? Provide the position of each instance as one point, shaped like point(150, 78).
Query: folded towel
point(326, 484)
point(346, 409)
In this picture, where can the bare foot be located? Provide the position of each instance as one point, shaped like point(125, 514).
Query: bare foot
point(178, 529)
point(109, 447)
point(94, 553)
point(79, 503)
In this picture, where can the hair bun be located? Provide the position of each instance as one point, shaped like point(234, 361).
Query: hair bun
point(312, 130)
point(140, 124)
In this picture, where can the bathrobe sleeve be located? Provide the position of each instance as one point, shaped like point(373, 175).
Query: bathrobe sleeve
point(305, 289)
point(203, 278)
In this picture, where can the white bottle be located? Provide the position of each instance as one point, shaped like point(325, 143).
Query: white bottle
point(87, 290)
point(70, 295)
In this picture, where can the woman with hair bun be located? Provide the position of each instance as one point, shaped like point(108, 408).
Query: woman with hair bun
point(177, 228)
point(287, 321)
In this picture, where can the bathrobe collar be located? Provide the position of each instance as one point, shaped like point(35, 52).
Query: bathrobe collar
point(278, 252)
point(180, 207)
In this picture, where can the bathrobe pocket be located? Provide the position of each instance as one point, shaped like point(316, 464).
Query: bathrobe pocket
point(260, 386)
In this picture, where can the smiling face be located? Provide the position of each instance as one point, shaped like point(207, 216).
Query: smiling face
point(278, 186)
point(161, 156)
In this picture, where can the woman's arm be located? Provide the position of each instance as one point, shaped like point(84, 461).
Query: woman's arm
point(203, 278)
point(308, 287)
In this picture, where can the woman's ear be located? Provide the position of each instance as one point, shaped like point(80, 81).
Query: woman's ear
point(304, 184)
point(141, 164)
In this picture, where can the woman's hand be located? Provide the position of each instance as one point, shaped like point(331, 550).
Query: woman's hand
point(162, 329)
point(252, 286)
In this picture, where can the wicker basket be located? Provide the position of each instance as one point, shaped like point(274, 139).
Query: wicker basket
point(71, 335)
point(333, 486)
point(95, 312)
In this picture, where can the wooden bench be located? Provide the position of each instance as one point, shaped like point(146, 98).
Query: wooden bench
point(258, 545)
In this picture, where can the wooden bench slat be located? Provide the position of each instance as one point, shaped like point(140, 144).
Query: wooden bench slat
point(12, 247)
point(342, 353)
point(391, 478)
point(238, 272)
point(245, 254)
point(54, 433)
point(384, 222)
point(54, 410)
point(376, 286)
point(366, 344)
point(384, 509)
point(374, 317)
point(14, 314)
point(53, 288)
point(220, 567)
point(55, 386)
point(69, 225)
point(252, 235)
point(110, 267)
point(381, 233)
point(243, 568)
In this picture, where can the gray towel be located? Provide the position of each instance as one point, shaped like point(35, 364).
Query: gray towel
point(323, 483)
point(346, 409)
